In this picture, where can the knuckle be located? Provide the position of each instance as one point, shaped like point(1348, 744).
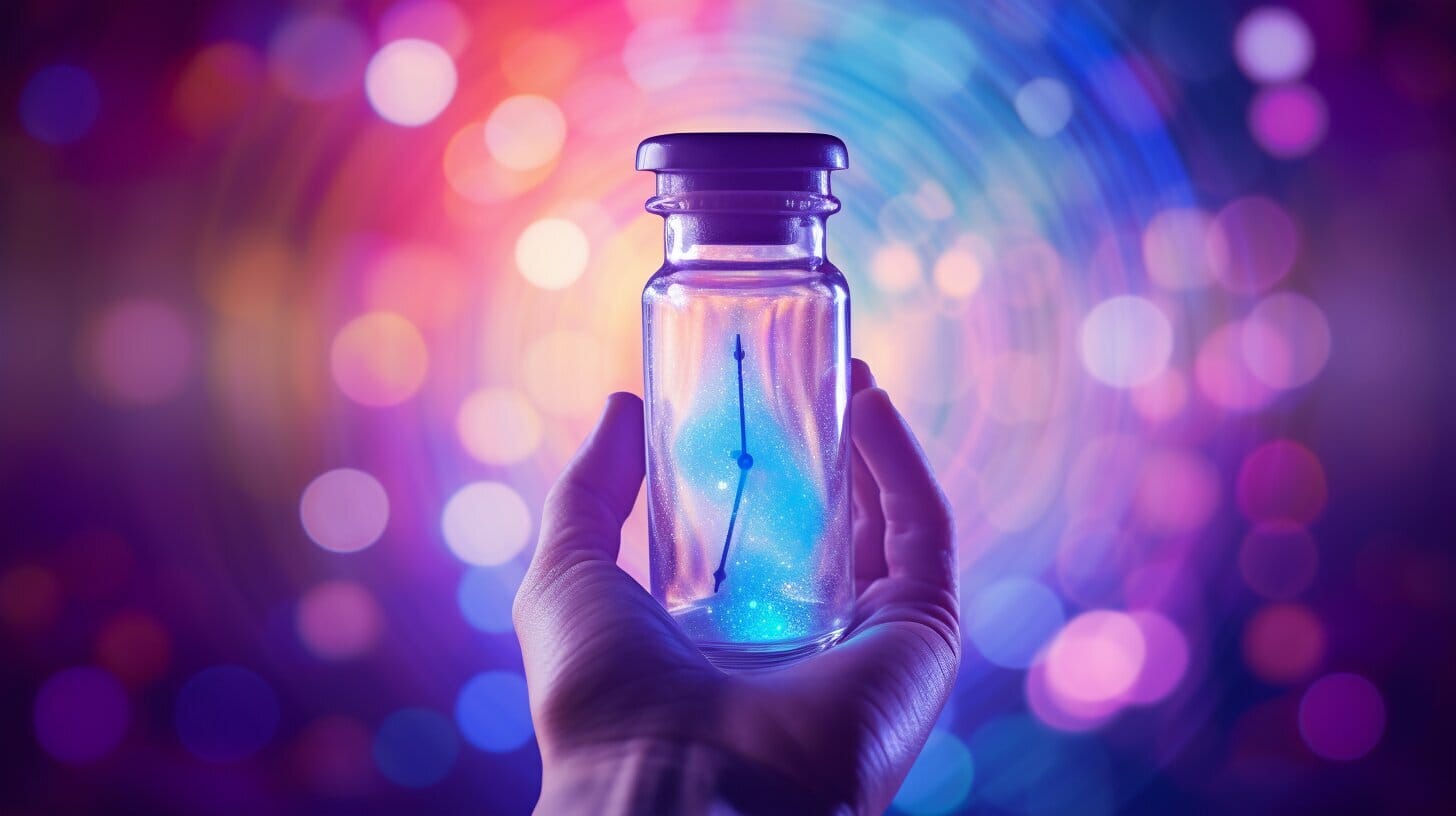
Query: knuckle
point(525, 601)
point(939, 519)
point(944, 511)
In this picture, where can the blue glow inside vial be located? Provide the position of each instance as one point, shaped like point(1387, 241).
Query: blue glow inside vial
point(746, 361)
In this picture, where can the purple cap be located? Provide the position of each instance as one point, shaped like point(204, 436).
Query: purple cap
point(687, 152)
point(753, 185)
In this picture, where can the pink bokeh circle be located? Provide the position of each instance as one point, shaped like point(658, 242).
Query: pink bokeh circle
point(1288, 121)
point(337, 620)
point(1281, 480)
point(1283, 643)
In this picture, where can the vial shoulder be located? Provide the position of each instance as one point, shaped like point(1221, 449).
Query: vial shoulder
point(823, 279)
point(834, 278)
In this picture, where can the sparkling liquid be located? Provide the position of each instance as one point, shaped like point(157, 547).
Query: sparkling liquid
point(785, 588)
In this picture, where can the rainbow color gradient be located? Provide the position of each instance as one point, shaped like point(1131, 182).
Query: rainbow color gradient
point(303, 307)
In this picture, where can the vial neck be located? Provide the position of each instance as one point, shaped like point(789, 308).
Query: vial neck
point(743, 239)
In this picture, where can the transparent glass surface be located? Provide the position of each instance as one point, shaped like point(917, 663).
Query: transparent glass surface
point(772, 579)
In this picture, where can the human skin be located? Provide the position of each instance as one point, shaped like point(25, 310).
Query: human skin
point(630, 717)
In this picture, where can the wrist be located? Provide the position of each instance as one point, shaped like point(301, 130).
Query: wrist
point(670, 776)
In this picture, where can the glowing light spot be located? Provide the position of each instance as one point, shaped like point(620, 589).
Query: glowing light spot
point(1011, 620)
point(337, 620)
point(225, 714)
point(1126, 341)
point(485, 596)
point(1278, 560)
point(936, 55)
point(1045, 106)
point(476, 176)
point(659, 54)
point(525, 132)
point(1167, 658)
point(1288, 121)
point(1342, 717)
point(1177, 492)
point(1286, 340)
point(134, 647)
point(957, 272)
point(498, 426)
point(332, 754)
point(1272, 44)
point(552, 253)
point(1096, 657)
point(1283, 643)
point(317, 56)
point(1181, 248)
point(140, 352)
point(486, 523)
point(566, 373)
point(1282, 480)
point(344, 510)
point(1223, 374)
point(30, 598)
point(438, 21)
point(941, 778)
point(59, 104)
point(1261, 243)
point(1161, 398)
point(1064, 713)
point(81, 715)
point(896, 268)
point(424, 284)
point(409, 82)
point(379, 359)
point(415, 747)
point(217, 87)
point(493, 712)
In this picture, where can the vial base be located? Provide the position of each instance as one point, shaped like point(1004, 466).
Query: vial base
point(753, 657)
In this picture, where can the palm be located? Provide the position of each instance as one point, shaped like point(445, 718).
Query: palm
point(607, 665)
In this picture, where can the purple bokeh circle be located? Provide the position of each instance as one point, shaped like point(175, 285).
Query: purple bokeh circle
point(81, 715)
point(59, 104)
point(225, 713)
point(1342, 716)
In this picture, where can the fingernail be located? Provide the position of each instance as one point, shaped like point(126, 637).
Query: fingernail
point(861, 377)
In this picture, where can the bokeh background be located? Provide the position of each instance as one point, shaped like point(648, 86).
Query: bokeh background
point(303, 306)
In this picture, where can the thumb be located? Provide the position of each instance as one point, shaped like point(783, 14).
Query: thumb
point(585, 510)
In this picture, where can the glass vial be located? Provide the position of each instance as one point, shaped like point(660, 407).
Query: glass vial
point(746, 358)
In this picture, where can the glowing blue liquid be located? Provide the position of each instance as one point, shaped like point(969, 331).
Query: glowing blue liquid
point(788, 572)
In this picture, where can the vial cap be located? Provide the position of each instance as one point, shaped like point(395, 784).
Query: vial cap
point(688, 152)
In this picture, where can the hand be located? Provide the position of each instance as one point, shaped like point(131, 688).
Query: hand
point(631, 718)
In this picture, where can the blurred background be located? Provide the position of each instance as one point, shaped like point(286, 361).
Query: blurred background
point(303, 306)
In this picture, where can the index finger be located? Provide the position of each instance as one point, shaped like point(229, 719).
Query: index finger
point(919, 529)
